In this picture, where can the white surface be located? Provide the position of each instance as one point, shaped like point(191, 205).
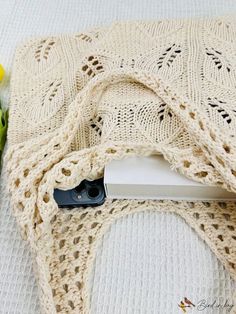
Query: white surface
point(147, 170)
point(18, 294)
point(152, 178)
point(150, 273)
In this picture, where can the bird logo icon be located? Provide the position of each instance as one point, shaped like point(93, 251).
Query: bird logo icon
point(185, 304)
point(187, 301)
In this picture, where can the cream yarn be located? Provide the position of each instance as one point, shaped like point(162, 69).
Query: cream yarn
point(134, 88)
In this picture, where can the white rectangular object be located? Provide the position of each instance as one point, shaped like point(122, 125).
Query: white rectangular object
point(152, 178)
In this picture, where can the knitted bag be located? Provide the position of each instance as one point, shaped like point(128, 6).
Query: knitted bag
point(134, 88)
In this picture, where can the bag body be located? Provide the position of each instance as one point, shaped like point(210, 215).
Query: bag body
point(135, 88)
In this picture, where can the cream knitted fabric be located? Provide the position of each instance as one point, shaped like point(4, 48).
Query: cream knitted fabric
point(134, 88)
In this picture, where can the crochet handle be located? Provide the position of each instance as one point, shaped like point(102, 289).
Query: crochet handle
point(217, 146)
point(50, 148)
point(28, 162)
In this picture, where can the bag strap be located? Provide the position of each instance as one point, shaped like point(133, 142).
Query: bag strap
point(29, 161)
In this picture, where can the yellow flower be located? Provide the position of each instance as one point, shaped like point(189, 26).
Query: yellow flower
point(2, 72)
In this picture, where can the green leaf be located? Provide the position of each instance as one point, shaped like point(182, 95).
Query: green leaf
point(3, 128)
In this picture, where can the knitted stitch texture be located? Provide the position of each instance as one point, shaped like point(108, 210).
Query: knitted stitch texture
point(134, 88)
